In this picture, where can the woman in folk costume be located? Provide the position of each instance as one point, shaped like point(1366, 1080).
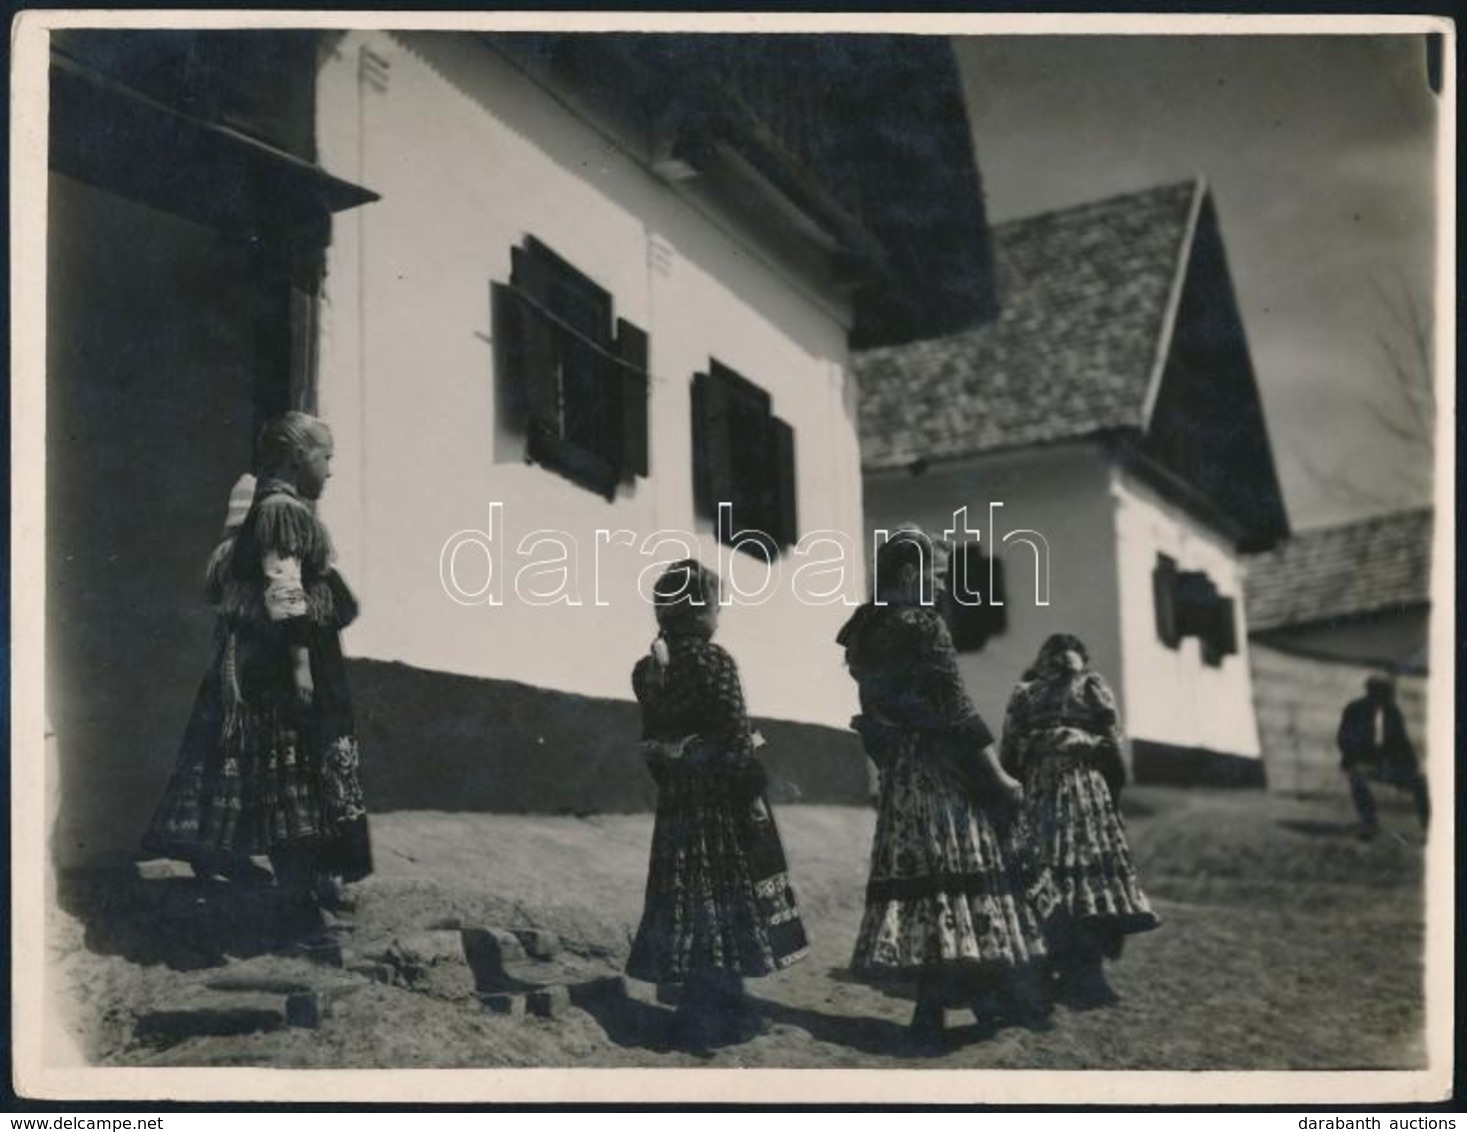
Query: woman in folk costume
point(719, 907)
point(277, 743)
point(1062, 739)
point(944, 902)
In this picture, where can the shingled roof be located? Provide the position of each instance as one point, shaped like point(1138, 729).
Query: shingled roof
point(1377, 565)
point(1084, 296)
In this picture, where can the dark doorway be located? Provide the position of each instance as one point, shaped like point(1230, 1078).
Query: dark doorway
point(151, 402)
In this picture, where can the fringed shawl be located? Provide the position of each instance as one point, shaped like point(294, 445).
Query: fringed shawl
point(1060, 712)
point(903, 659)
point(217, 572)
point(1064, 699)
point(283, 522)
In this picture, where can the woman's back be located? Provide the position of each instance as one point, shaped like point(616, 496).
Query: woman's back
point(696, 691)
point(904, 662)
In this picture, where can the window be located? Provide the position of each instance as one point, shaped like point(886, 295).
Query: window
point(576, 388)
point(1189, 605)
point(745, 456)
point(969, 578)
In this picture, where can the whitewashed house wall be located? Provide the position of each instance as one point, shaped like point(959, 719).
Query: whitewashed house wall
point(1059, 492)
point(1174, 696)
point(407, 382)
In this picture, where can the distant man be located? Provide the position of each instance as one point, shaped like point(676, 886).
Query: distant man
point(1374, 746)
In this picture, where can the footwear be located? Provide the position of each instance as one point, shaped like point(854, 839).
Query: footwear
point(927, 1030)
point(743, 1023)
point(1032, 1012)
point(1087, 989)
point(1026, 1000)
point(209, 865)
point(332, 894)
point(242, 870)
point(694, 1031)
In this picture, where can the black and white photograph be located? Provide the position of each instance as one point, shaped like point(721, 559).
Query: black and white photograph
point(614, 543)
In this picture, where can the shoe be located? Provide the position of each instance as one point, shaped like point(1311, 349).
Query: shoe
point(1030, 1013)
point(243, 871)
point(332, 894)
point(1088, 990)
point(1027, 1001)
point(743, 1024)
point(1367, 833)
point(927, 1032)
point(694, 1031)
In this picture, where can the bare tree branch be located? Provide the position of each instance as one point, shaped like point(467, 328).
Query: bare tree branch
point(1402, 407)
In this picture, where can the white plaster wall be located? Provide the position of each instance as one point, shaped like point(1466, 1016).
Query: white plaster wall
point(1062, 493)
point(1173, 696)
point(469, 157)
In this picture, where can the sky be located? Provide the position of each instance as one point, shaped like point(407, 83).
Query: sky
point(1320, 153)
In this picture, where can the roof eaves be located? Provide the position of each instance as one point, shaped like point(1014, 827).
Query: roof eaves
point(1174, 301)
point(946, 459)
point(1282, 624)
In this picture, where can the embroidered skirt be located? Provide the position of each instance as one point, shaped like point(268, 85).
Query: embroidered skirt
point(270, 777)
point(718, 892)
point(943, 892)
point(1076, 843)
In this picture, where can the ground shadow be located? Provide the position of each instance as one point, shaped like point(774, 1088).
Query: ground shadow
point(904, 990)
point(1313, 828)
point(879, 1036)
point(630, 1023)
point(183, 923)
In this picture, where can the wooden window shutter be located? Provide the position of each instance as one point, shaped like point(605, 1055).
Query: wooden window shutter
point(507, 311)
point(1195, 605)
point(996, 603)
point(712, 455)
point(525, 356)
point(1164, 597)
point(973, 625)
point(631, 348)
point(702, 491)
point(1225, 626)
point(530, 273)
point(785, 494)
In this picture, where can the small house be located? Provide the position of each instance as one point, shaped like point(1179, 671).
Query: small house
point(1326, 609)
point(1103, 443)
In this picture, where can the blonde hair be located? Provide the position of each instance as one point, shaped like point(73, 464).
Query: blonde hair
point(287, 437)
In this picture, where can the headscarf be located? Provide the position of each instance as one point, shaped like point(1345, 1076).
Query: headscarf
point(681, 597)
point(910, 546)
point(1052, 692)
point(1051, 662)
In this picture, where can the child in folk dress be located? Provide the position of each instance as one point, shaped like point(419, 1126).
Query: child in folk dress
point(1062, 739)
point(719, 907)
point(272, 735)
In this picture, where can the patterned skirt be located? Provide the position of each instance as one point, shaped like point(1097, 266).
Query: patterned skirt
point(1077, 852)
point(718, 891)
point(943, 894)
point(272, 779)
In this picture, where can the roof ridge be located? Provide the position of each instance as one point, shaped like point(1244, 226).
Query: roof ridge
point(1425, 511)
point(1190, 183)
